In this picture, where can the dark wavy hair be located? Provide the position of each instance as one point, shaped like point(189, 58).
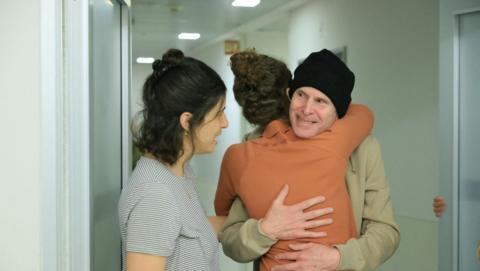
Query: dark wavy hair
point(259, 86)
point(177, 84)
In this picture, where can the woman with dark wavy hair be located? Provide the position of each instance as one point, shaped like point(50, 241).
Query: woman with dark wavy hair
point(163, 225)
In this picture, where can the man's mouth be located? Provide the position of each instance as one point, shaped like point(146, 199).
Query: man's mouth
point(306, 121)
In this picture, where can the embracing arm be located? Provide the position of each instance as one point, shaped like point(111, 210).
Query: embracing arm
point(217, 222)
point(379, 236)
point(245, 239)
point(348, 132)
point(241, 237)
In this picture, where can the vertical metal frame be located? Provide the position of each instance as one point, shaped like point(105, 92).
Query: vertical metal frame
point(78, 214)
point(65, 131)
point(77, 247)
point(51, 138)
point(455, 142)
point(456, 138)
point(126, 87)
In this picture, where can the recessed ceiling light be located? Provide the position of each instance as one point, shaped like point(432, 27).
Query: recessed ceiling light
point(245, 3)
point(189, 36)
point(145, 60)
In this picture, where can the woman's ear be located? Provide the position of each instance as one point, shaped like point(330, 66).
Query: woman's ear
point(185, 120)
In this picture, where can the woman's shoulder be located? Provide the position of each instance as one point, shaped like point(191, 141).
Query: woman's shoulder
point(237, 149)
point(150, 172)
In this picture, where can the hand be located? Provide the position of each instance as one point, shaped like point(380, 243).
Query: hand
point(438, 206)
point(284, 222)
point(217, 222)
point(309, 257)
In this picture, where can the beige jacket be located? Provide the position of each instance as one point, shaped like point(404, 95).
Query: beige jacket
point(369, 191)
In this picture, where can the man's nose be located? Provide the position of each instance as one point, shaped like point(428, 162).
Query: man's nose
point(307, 109)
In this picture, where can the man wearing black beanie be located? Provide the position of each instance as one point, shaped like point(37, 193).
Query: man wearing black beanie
point(320, 93)
point(324, 71)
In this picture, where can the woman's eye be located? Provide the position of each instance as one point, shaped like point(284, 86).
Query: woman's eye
point(221, 113)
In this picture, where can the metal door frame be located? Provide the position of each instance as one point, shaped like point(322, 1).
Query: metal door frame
point(455, 231)
point(65, 234)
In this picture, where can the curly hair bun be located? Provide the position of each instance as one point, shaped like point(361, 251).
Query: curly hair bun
point(259, 86)
point(243, 65)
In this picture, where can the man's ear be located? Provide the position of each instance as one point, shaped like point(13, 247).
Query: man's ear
point(185, 120)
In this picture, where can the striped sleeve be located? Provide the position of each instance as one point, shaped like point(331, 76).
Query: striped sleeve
point(154, 223)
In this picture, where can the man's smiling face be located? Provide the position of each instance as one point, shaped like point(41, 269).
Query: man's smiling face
point(311, 112)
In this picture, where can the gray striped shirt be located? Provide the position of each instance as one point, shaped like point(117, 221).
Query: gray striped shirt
point(160, 214)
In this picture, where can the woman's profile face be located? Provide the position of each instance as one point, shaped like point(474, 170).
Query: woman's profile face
point(205, 136)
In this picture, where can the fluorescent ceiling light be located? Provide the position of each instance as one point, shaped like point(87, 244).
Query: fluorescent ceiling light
point(189, 36)
point(245, 3)
point(145, 60)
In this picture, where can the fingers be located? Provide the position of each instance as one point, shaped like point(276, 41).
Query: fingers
point(303, 234)
point(281, 196)
point(309, 202)
point(438, 211)
point(317, 213)
point(292, 256)
point(312, 234)
point(438, 206)
point(317, 223)
point(300, 246)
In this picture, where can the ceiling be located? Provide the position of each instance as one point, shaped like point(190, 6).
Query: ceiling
point(156, 23)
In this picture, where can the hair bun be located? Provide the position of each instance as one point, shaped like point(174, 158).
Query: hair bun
point(173, 56)
point(244, 66)
point(170, 59)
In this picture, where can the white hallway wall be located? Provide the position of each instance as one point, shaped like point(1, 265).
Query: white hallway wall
point(20, 136)
point(392, 46)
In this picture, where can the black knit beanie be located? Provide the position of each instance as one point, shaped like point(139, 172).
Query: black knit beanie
point(326, 72)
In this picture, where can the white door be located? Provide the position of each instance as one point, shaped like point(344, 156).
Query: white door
point(469, 140)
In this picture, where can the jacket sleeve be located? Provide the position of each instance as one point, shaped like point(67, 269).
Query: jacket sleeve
point(379, 236)
point(241, 237)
